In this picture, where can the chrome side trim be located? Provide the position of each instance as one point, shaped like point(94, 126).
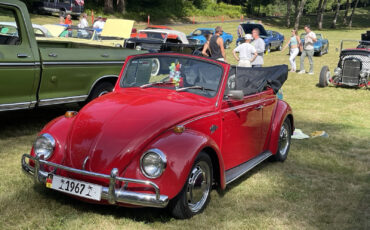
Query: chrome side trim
point(15, 106)
point(200, 117)
point(5, 64)
point(62, 100)
point(83, 63)
point(111, 194)
point(240, 170)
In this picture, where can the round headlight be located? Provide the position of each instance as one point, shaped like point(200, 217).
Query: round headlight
point(363, 73)
point(138, 47)
point(153, 163)
point(44, 146)
point(338, 71)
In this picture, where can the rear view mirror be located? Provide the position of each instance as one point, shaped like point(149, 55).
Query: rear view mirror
point(236, 94)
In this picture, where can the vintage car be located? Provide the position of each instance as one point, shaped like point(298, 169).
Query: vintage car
point(272, 39)
point(11, 28)
point(160, 40)
point(353, 68)
point(321, 46)
point(199, 36)
point(113, 34)
point(174, 127)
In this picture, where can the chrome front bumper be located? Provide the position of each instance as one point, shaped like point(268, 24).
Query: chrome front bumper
point(110, 194)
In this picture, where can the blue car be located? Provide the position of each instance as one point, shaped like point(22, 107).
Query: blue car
point(199, 38)
point(321, 46)
point(273, 40)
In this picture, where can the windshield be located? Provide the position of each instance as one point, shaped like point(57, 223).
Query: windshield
point(153, 35)
point(176, 73)
point(202, 32)
point(79, 33)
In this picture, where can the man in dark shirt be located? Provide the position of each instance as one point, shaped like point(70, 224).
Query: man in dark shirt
point(216, 45)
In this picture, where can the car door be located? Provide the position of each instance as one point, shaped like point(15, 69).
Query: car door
point(241, 129)
point(268, 102)
point(19, 66)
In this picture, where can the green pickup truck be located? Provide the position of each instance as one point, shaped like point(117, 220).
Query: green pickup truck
point(39, 73)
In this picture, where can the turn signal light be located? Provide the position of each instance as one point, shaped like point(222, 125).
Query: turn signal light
point(70, 114)
point(179, 129)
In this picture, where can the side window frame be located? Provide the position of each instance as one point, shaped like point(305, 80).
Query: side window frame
point(16, 21)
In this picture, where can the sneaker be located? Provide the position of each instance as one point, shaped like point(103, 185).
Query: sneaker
point(301, 72)
point(310, 73)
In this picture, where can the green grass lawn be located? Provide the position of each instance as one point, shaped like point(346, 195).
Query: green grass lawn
point(324, 183)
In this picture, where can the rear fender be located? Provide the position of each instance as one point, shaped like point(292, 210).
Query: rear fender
point(282, 111)
point(180, 149)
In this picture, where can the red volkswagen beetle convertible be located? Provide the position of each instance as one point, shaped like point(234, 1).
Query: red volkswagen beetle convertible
point(174, 127)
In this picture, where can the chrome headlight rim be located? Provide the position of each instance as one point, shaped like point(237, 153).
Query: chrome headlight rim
point(338, 71)
point(49, 151)
point(364, 73)
point(161, 156)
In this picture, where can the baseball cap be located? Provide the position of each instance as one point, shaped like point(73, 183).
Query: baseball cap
point(248, 37)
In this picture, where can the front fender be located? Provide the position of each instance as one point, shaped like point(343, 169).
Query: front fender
point(282, 111)
point(180, 149)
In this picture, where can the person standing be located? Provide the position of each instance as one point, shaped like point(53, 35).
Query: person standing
point(216, 45)
point(247, 52)
point(259, 44)
point(99, 24)
point(240, 31)
point(307, 49)
point(294, 44)
point(83, 21)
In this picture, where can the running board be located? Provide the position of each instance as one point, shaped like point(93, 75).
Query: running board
point(238, 171)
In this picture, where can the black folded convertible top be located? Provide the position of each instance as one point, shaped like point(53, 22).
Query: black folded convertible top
point(254, 80)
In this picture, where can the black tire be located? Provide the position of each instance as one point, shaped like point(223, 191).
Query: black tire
point(183, 205)
point(324, 76)
point(100, 89)
point(284, 141)
point(227, 44)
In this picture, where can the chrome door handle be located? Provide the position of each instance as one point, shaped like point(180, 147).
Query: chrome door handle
point(53, 55)
point(258, 107)
point(22, 55)
point(105, 55)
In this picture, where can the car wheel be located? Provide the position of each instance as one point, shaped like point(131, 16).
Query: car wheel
point(280, 47)
point(155, 67)
point(62, 13)
point(195, 194)
point(100, 89)
point(227, 44)
point(284, 141)
point(320, 53)
point(324, 78)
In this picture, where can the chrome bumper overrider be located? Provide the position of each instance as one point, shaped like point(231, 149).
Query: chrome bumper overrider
point(111, 194)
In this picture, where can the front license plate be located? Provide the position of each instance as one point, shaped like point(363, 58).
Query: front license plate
point(75, 187)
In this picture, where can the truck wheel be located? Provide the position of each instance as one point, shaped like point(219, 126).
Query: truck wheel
point(227, 44)
point(100, 89)
point(195, 194)
point(324, 77)
point(156, 65)
point(284, 141)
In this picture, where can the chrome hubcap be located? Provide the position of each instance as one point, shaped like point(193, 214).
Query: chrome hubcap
point(328, 77)
point(198, 186)
point(284, 139)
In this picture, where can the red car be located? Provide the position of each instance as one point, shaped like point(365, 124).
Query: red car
point(174, 127)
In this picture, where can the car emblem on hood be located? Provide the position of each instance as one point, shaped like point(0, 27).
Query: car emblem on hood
point(84, 163)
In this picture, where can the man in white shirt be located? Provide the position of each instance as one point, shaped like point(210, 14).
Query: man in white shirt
point(247, 52)
point(99, 24)
point(307, 49)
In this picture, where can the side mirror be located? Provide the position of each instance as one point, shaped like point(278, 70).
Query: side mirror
point(236, 94)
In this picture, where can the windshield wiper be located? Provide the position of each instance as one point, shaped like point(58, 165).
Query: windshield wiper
point(156, 83)
point(194, 87)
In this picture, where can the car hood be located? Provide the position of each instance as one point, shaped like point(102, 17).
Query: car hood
point(119, 28)
point(112, 129)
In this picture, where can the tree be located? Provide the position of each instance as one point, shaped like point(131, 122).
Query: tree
point(288, 8)
point(353, 12)
point(300, 11)
point(121, 6)
point(334, 25)
point(320, 16)
point(108, 6)
point(348, 5)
